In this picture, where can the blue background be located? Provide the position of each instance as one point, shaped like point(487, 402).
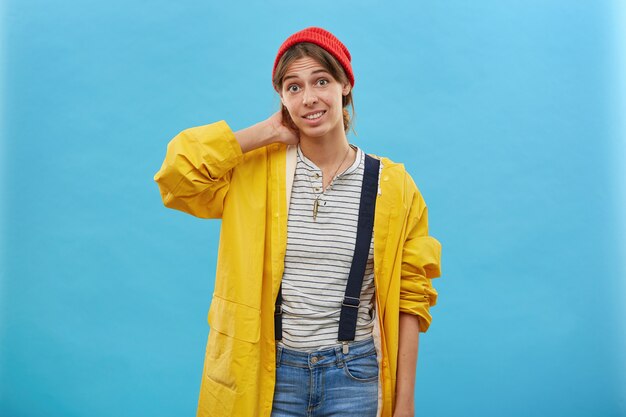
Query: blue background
point(507, 114)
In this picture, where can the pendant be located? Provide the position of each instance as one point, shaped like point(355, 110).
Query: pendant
point(316, 205)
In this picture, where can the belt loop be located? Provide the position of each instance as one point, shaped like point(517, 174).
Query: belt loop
point(338, 357)
point(279, 354)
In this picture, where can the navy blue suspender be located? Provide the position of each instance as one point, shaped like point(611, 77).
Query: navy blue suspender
point(351, 300)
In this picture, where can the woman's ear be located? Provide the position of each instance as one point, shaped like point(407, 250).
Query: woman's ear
point(346, 89)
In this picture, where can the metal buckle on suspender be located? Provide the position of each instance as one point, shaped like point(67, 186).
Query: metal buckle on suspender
point(278, 310)
point(352, 302)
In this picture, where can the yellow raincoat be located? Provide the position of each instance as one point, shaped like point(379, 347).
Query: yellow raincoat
point(205, 174)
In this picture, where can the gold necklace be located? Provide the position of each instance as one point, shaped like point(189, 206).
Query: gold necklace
point(316, 203)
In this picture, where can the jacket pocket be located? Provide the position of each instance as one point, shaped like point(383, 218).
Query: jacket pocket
point(232, 351)
point(215, 399)
point(235, 320)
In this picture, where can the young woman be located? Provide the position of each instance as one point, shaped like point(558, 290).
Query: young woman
point(325, 264)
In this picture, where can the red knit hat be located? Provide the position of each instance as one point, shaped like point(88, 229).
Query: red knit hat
point(323, 39)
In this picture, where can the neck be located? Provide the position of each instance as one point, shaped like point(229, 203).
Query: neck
point(325, 151)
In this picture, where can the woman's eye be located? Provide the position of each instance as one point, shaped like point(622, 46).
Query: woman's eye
point(292, 88)
point(323, 82)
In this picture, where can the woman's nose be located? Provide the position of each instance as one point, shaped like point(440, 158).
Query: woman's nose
point(308, 98)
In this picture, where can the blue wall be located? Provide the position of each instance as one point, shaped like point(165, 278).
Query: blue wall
point(503, 111)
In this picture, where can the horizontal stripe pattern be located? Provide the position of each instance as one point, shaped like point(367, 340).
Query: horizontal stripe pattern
point(319, 256)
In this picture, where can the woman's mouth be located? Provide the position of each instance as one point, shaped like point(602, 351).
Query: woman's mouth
point(314, 116)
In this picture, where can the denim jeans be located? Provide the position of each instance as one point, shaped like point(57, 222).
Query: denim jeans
point(326, 382)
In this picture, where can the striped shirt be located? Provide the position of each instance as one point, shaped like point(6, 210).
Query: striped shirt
point(319, 256)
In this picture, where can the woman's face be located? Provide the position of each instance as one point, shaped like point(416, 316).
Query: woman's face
point(313, 98)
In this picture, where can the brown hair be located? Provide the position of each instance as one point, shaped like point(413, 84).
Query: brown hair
point(306, 49)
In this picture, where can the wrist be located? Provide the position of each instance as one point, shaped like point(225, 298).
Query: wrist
point(404, 410)
point(268, 133)
point(255, 136)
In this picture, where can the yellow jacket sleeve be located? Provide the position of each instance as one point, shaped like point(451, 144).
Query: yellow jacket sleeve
point(195, 175)
point(421, 257)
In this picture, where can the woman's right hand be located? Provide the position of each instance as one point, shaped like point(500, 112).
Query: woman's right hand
point(282, 133)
